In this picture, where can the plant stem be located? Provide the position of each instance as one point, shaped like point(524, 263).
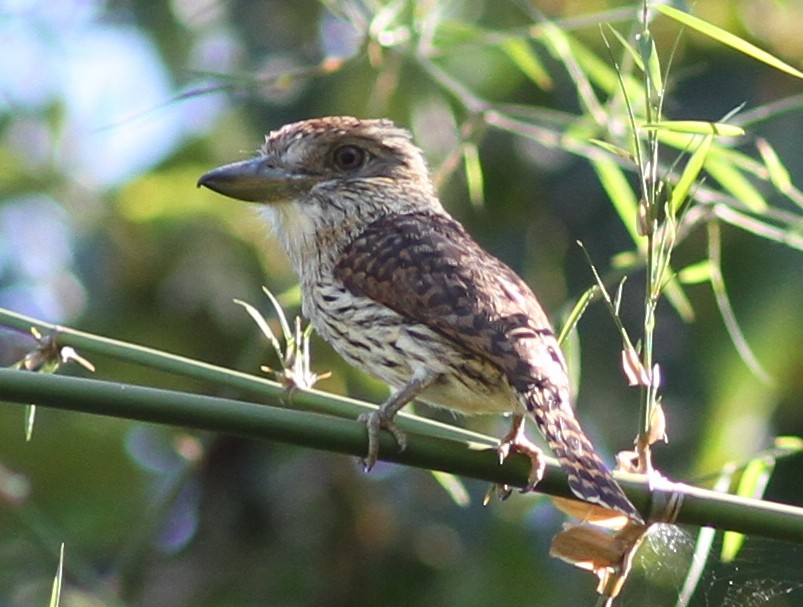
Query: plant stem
point(693, 505)
point(311, 400)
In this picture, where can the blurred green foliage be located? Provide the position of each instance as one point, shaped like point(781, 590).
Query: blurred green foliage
point(110, 111)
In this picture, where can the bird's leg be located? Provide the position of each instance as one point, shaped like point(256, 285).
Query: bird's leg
point(516, 440)
point(382, 418)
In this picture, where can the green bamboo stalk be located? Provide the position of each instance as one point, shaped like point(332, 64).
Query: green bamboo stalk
point(263, 389)
point(694, 505)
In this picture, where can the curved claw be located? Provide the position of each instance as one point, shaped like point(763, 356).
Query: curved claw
point(374, 422)
point(516, 441)
point(530, 450)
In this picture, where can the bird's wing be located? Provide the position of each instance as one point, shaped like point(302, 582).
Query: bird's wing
point(426, 267)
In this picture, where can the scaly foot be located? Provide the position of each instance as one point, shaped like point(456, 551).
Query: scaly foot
point(516, 441)
point(375, 421)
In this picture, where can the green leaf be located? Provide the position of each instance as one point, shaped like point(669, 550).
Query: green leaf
point(628, 47)
point(755, 477)
point(453, 486)
point(703, 545)
point(696, 273)
point(30, 417)
point(613, 179)
point(55, 593)
point(677, 297)
point(752, 483)
point(613, 149)
point(605, 76)
point(734, 181)
point(650, 56)
point(779, 175)
point(689, 176)
point(577, 312)
point(695, 127)
point(720, 35)
point(522, 55)
point(789, 444)
point(474, 177)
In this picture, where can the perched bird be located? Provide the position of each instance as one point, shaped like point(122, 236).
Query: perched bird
point(402, 291)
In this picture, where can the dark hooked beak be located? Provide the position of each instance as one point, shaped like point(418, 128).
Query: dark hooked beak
point(255, 180)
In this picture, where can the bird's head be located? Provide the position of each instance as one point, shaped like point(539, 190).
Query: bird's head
point(323, 179)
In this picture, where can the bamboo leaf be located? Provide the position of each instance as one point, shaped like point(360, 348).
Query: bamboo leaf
point(55, 593)
point(752, 483)
point(764, 229)
point(453, 486)
point(789, 444)
point(689, 176)
point(677, 297)
point(779, 175)
point(601, 73)
point(577, 312)
point(735, 42)
point(613, 149)
point(613, 179)
point(703, 545)
point(734, 181)
point(695, 273)
point(650, 57)
point(523, 57)
point(474, 176)
point(627, 46)
point(695, 127)
point(30, 418)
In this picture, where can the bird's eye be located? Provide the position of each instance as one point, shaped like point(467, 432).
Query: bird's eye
point(348, 157)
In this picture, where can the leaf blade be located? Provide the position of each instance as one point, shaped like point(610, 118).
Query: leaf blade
point(729, 39)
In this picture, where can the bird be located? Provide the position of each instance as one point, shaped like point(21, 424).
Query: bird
point(402, 291)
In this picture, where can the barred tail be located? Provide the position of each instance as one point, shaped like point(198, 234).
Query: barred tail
point(589, 478)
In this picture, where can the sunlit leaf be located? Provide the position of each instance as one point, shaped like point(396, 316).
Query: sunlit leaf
point(55, 593)
point(695, 127)
point(791, 444)
point(613, 149)
point(733, 181)
point(628, 47)
point(650, 57)
point(764, 229)
point(577, 312)
point(522, 55)
point(474, 177)
point(616, 185)
point(559, 44)
point(688, 177)
point(779, 175)
point(703, 545)
point(726, 310)
point(453, 486)
point(695, 273)
point(752, 483)
point(30, 417)
point(602, 73)
point(720, 35)
point(674, 293)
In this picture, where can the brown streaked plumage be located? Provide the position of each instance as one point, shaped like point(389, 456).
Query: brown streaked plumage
point(402, 291)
